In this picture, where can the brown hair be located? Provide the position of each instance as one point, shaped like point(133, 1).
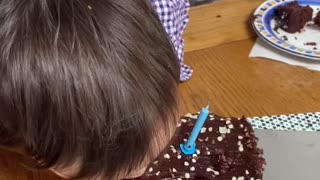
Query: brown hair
point(85, 79)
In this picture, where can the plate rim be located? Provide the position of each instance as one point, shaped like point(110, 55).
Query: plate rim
point(259, 15)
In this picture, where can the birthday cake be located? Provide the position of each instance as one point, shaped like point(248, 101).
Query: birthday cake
point(226, 150)
point(292, 17)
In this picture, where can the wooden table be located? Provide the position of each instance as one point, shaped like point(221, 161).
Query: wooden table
point(218, 42)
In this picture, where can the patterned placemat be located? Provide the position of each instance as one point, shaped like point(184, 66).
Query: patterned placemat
point(292, 122)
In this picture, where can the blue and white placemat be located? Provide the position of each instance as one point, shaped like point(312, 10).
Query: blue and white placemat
point(292, 122)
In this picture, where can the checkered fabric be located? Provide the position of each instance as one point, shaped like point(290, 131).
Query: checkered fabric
point(174, 17)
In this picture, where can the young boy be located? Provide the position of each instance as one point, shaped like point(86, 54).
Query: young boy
point(88, 88)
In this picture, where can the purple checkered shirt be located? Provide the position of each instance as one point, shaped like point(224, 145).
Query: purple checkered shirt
point(174, 17)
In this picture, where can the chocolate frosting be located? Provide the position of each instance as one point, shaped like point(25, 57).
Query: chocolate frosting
point(226, 149)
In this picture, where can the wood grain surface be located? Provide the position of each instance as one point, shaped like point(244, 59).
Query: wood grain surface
point(239, 85)
point(221, 22)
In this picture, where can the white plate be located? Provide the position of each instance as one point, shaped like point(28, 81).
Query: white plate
point(296, 44)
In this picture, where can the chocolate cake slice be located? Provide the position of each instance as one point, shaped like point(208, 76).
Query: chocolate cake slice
point(317, 19)
point(226, 150)
point(292, 17)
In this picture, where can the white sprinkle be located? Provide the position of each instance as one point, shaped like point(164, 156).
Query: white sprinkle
point(239, 143)
point(194, 155)
point(155, 162)
point(229, 131)
point(240, 137)
point(192, 168)
point(252, 178)
point(209, 170)
point(185, 140)
point(179, 179)
point(179, 124)
point(186, 163)
point(247, 172)
point(89, 7)
point(210, 129)
point(219, 138)
point(183, 120)
point(208, 153)
point(241, 178)
point(166, 156)
point(223, 130)
point(172, 146)
point(198, 151)
point(194, 160)
point(203, 130)
point(174, 151)
point(189, 115)
point(150, 169)
point(158, 173)
point(230, 126)
point(216, 173)
point(179, 156)
point(234, 178)
point(207, 139)
point(241, 125)
point(228, 122)
point(174, 170)
point(187, 175)
point(241, 149)
point(211, 119)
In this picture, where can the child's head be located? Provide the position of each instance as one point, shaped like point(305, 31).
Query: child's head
point(86, 82)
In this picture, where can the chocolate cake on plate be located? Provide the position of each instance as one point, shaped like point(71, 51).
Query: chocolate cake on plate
point(226, 150)
point(292, 17)
point(317, 19)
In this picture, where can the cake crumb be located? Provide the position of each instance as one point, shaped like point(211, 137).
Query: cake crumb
point(310, 44)
point(218, 16)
